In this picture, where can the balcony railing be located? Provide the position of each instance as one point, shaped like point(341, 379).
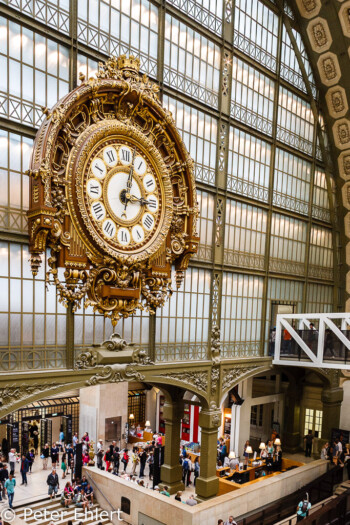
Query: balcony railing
point(312, 340)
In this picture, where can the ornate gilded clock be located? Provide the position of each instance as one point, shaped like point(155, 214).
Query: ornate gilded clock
point(112, 194)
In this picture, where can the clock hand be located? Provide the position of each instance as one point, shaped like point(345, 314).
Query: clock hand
point(133, 198)
point(129, 183)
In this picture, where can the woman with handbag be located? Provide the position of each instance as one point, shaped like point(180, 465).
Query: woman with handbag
point(125, 458)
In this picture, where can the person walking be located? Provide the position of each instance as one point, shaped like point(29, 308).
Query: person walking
point(12, 460)
point(24, 469)
point(303, 508)
point(53, 483)
point(4, 475)
point(45, 456)
point(64, 464)
point(10, 484)
point(70, 458)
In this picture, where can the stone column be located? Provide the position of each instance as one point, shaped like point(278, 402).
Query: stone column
point(207, 484)
point(171, 470)
point(100, 402)
point(332, 399)
point(291, 427)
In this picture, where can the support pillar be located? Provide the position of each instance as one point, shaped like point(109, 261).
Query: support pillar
point(207, 484)
point(291, 433)
point(235, 423)
point(332, 399)
point(171, 470)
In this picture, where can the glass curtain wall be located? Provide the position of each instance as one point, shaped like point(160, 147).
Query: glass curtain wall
point(266, 201)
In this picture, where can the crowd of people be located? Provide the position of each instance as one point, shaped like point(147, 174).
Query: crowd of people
point(271, 453)
point(337, 452)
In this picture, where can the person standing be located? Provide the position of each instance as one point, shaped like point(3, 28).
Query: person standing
point(54, 455)
point(150, 462)
point(196, 470)
point(135, 460)
point(125, 458)
point(109, 457)
point(99, 456)
point(230, 521)
point(45, 456)
point(143, 459)
point(24, 469)
point(308, 443)
point(10, 484)
point(186, 471)
point(53, 483)
point(272, 342)
point(325, 451)
point(116, 461)
point(12, 460)
point(30, 457)
point(223, 452)
point(75, 439)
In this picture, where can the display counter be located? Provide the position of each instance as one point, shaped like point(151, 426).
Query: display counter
point(248, 477)
point(194, 455)
point(147, 437)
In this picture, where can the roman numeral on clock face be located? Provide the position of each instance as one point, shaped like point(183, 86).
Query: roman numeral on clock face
point(140, 165)
point(109, 228)
point(98, 211)
point(94, 188)
point(149, 183)
point(125, 155)
point(123, 236)
point(148, 221)
point(98, 168)
point(138, 233)
point(110, 156)
point(152, 203)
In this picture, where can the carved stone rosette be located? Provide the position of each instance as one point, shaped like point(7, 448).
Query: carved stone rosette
point(116, 283)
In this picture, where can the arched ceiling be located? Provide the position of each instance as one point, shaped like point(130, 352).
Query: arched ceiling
point(325, 28)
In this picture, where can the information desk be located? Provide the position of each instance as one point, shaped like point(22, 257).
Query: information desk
point(147, 436)
point(194, 455)
point(242, 478)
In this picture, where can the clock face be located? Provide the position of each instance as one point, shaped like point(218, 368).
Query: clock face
point(124, 195)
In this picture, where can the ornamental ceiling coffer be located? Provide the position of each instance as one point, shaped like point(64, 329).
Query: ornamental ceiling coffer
point(112, 194)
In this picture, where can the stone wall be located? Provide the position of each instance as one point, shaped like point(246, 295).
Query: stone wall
point(167, 510)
